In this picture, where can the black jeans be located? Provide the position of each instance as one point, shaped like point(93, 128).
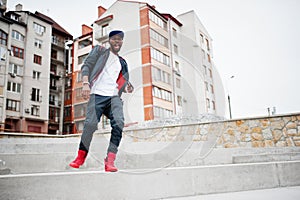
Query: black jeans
point(112, 108)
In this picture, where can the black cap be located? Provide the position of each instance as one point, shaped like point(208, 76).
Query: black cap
point(116, 32)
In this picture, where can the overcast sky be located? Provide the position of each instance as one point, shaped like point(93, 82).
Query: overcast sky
point(257, 41)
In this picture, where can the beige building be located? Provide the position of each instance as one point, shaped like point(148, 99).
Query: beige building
point(34, 70)
point(170, 62)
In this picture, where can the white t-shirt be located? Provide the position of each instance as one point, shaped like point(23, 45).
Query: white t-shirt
point(105, 84)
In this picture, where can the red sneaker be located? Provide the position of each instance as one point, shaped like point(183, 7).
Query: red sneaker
point(79, 159)
point(109, 162)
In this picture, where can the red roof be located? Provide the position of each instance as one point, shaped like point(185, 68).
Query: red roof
point(55, 25)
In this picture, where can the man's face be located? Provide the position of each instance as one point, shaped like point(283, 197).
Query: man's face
point(116, 43)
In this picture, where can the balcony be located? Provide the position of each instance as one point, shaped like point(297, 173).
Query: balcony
point(55, 103)
point(57, 43)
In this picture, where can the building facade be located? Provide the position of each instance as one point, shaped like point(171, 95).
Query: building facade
point(34, 63)
point(170, 61)
point(58, 75)
point(76, 107)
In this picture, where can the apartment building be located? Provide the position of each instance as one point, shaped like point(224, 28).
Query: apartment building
point(5, 25)
point(34, 64)
point(170, 61)
point(58, 75)
point(75, 110)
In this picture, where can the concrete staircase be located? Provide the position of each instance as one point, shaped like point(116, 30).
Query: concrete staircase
point(36, 167)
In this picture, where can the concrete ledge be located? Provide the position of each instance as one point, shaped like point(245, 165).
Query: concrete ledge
point(55, 157)
point(150, 184)
point(266, 157)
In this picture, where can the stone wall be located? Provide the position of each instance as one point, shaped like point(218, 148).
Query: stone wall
point(274, 131)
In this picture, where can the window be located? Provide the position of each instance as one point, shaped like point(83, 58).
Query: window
point(178, 83)
point(162, 112)
point(53, 68)
point(3, 38)
point(53, 83)
point(157, 20)
point(85, 43)
point(104, 30)
point(159, 56)
point(174, 32)
point(80, 110)
point(156, 74)
point(53, 114)
point(35, 95)
point(67, 112)
point(13, 87)
point(162, 94)
point(207, 44)
point(15, 69)
point(205, 69)
point(12, 105)
point(55, 40)
point(81, 58)
point(14, 17)
point(166, 77)
point(18, 36)
point(68, 95)
point(17, 52)
point(78, 93)
point(202, 38)
point(160, 75)
point(212, 89)
point(52, 99)
point(35, 110)
point(207, 103)
point(79, 77)
point(37, 59)
point(39, 29)
point(68, 83)
point(38, 43)
point(206, 86)
point(177, 69)
point(179, 100)
point(36, 75)
point(213, 105)
point(208, 58)
point(175, 48)
point(54, 54)
point(210, 73)
point(158, 38)
point(203, 55)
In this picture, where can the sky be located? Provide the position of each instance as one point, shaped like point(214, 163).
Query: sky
point(256, 41)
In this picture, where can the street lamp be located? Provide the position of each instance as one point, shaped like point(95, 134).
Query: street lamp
point(229, 104)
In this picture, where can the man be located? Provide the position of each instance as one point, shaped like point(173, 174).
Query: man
point(105, 76)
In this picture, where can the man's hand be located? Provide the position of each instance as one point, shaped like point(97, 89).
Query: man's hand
point(85, 91)
point(129, 88)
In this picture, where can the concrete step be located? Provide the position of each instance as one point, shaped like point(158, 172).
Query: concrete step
point(37, 148)
point(150, 184)
point(270, 157)
point(158, 155)
point(54, 157)
point(289, 193)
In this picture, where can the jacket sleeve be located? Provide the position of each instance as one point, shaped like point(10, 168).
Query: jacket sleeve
point(90, 61)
